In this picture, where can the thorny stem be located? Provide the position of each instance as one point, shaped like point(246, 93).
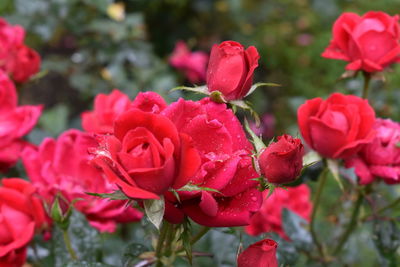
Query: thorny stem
point(163, 233)
point(67, 242)
point(200, 234)
point(352, 224)
point(367, 79)
point(389, 206)
point(321, 182)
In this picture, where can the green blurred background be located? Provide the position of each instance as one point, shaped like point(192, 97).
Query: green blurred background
point(90, 47)
point(86, 51)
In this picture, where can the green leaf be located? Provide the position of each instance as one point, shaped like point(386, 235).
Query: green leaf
point(245, 106)
point(116, 195)
point(311, 158)
point(257, 142)
point(256, 85)
point(154, 209)
point(386, 238)
point(132, 253)
point(85, 241)
point(293, 225)
point(192, 187)
point(398, 145)
point(224, 247)
point(198, 89)
point(55, 120)
point(39, 75)
point(333, 166)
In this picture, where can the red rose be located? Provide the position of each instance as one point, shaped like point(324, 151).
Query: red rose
point(269, 218)
point(230, 69)
point(63, 166)
point(108, 107)
point(192, 64)
point(259, 254)
point(21, 213)
point(146, 155)
point(381, 157)
point(225, 167)
point(15, 122)
point(337, 127)
point(281, 162)
point(369, 43)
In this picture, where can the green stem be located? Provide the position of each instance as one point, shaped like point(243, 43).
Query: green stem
point(385, 208)
point(321, 183)
point(160, 244)
point(67, 242)
point(204, 230)
point(367, 79)
point(352, 224)
point(169, 239)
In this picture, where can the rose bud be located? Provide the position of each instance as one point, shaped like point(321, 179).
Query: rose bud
point(281, 162)
point(337, 127)
point(230, 69)
point(369, 43)
point(259, 254)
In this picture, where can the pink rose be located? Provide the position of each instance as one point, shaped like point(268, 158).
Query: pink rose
point(231, 68)
point(21, 214)
point(336, 127)
point(370, 43)
point(108, 107)
point(10, 37)
point(63, 166)
point(381, 157)
point(15, 122)
point(26, 63)
point(269, 218)
point(192, 64)
point(16, 59)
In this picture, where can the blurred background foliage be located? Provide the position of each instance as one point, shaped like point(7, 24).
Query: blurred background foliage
point(92, 46)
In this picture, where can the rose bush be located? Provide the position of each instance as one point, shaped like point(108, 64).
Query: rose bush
point(281, 162)
point(369, 42)
point(199, 143)
point(231, 68)
point(63, 167)
point(225, 166)
point(269, 218)
point(192, 64)
point(259, 254)
point(336, 127)
point(380, 158)
point(21, 214)
point(15, 122)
